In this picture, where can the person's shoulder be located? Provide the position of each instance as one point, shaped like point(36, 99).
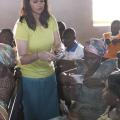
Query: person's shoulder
point(53, 23)
point(52, 18)
point(23, 22)
point(20, 24)
point(80, 45)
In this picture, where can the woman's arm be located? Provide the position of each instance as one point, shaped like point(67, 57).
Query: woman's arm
point(26, 58)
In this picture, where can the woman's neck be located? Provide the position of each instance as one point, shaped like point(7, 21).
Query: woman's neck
point(37, 16)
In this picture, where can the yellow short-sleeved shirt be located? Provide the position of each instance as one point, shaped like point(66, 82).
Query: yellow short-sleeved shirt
point(41, 39)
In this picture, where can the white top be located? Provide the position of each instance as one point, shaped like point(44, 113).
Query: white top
point(75, 52)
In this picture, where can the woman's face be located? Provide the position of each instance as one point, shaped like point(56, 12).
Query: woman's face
point(37, 6)
point(108, 96)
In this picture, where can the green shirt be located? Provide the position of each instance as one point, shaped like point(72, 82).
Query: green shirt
point(41, 39)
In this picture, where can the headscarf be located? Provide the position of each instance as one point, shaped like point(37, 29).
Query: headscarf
point(7, 55)
point(96, 46)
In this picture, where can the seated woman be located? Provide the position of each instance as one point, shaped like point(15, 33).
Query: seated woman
point(90, 105)
point(111, 95)
point(7, 82)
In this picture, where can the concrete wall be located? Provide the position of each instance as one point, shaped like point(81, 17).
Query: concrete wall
point(75, 13)
point(9, 10)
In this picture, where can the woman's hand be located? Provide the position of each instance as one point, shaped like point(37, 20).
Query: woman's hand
point(46, 56)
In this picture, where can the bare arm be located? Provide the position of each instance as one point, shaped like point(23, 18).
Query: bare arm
point(27, 58)
point(24, 56)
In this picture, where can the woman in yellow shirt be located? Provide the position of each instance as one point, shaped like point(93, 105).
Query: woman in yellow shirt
point(37, 40)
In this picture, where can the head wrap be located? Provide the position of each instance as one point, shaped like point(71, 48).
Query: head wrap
point(96, 46)
point(7, 55)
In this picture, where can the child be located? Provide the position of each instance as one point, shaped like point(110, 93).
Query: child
point(74, 49)
point(73, 52)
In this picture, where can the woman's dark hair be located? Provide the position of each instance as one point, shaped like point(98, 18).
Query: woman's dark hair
point(6, 37)
point(26, 13)
point(114, 83)
point(115, 27)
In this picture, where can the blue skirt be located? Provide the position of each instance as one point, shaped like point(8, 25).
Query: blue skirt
point(40, 100)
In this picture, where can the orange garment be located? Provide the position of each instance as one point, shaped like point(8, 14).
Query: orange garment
point(112, 48)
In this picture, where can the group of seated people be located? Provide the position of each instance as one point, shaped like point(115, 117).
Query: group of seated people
point(83, 91)
point(91, 63)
